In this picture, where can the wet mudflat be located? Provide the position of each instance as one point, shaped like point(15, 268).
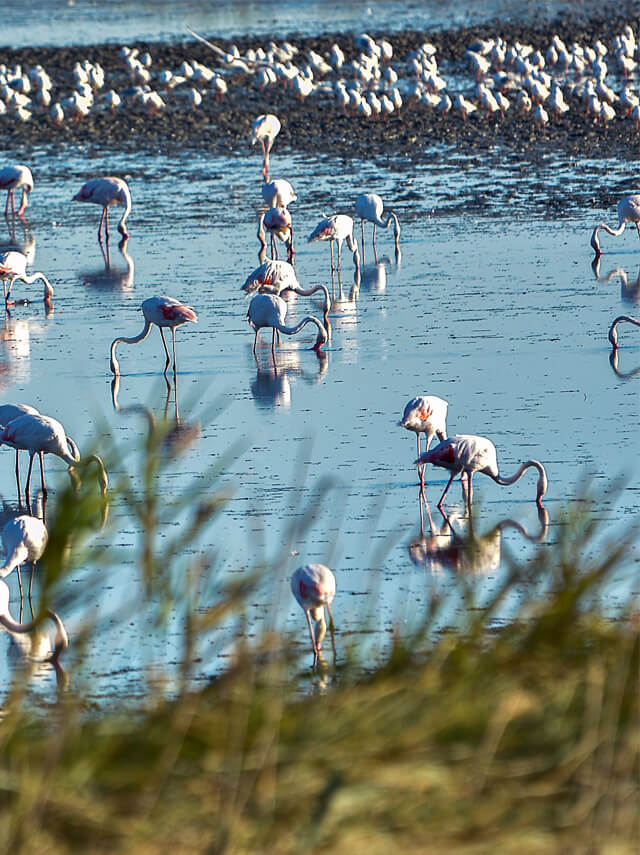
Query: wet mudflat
point(493, 306)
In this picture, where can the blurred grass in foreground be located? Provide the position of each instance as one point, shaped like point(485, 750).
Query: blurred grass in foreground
point(522, 740)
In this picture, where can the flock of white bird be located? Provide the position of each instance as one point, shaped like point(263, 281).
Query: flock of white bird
point(599, 80)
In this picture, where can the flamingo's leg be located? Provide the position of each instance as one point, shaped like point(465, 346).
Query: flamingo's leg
point(291, 251)
point(173, 337)
point(13, 205)
point(453, 475)
point(6, 207)
point(31, 579)
point(374, 235)
point(18, 476)
point(44, 486)
point(362, 227)
point(26, 492)
point(104, 211)
point(331, 248)
point(19, 580)
point(255, 342)
point(332, 629)
point(166, 350)
point(339, 254)
point(424, 465)
point(313, 639)
point(106, 223)
point(273, 342)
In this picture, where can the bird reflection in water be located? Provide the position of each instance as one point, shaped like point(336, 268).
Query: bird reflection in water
point(24, 241)
point(629, 289)
point(465, 552)
point(112, 278)
point(272, 387)
point(623, 375)
point(174, 434)
point(15, 344)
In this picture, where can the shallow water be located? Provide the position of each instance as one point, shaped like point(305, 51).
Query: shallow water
point(494, 307)
point(85, 22)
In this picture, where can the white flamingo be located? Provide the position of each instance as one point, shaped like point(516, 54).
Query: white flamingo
point(370, 207)
point(38, 650)
point(163, 312)
point(106, 192)
point(628, 212)
point(466, 454)
point(272, 275)
point(15, 178)
point(264, 130)
point(24, 538)
point(13, 265)
point(425, 414)
point(314, 587)
point(278, 193)
point(613, 332)
point(270, 310)
point(277, 221)
point(9, 412)
point(337, 229)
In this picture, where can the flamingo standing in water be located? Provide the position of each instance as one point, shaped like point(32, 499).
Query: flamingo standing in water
point(14, 178)
point(270, 310)
point(163, 312)
point(369, 206)
point(613, 333)
point(277, 221)
point(628, 212)
point(106, 192)
point(264, 130)
point(314, 587)
point(425, 414)
point(468, 454)
point(13, 265)
point(9, 412)
point(24, 538)
point(35, 651)
point(338, 228)
point(42, 435)
point(278, 193)
point(272, 275)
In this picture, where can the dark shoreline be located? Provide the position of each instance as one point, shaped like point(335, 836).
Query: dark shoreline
point(316, 124)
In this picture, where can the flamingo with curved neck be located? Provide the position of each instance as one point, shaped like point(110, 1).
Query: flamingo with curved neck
point(24, 538)
point(468, 454)
point(61, 640)
point(270, 310)
point(314, 587)
point(13, 265)
point(613, 333)
point(277, 221)
point(308, 292)
point(106, 192)
point(337, 229)
point(628, 212)
point(370, 207)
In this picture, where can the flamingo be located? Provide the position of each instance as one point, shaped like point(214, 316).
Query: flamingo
point(35, 652)
point(277, 221)
point(314, 587)
point(42, 435)
point(468, 454)
point(425, 414)
point(278, 193)
point(338, 228)
point(272, 275)
point(163, 312)
point(309, 292)
point(270, 310)
point(13, 178)
point(24, 538)
point(369, 206)
point(613, 333)
point(13, 265)
point(628, 212)
point(265, 129)
point(9, 412)
point(106, 192)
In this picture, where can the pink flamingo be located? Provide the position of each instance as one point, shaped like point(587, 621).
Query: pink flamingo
point(278, 193)
point(13, 178)
point(270, 310)
point(468, 454)
point(271, 275)
point(314, 587)
point(369, 206)
point(13, 265)
point(613, 333)
point(337, 229)
point(277, 221)
point(425, 414)
point(163, 312)
point(628, 212)
point(264, 130)
point(9, 412)
point(42, 435)
point(106, 192)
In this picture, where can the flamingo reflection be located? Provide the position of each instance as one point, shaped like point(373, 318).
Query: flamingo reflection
point(112, 278)
point(272, 384)
point(629, 289)
point(25, 243)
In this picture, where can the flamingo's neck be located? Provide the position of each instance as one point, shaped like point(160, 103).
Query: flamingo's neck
point(114, 364)
point(127, 210)
point(535, 464)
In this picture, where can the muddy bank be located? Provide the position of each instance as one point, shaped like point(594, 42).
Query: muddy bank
point(317, 124)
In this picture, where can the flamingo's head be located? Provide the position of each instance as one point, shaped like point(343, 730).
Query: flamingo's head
point(320, 340)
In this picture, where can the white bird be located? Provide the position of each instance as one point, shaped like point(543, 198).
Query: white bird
point(9, 412)
point(314, 587)
point(15, 178)
point(13, 265)
point(38, 649)
point(272, 275)
point(613, 333)
point(337, 229)
point(425, 414)
point(628, 212)
point(277, 221)
point(264, 130)
point(42, 435)
point(278, 193)
point(106, 192)
point(468, 454)
point(270, 310)
point(163, 312)
point(370, 207)
point(24, 538)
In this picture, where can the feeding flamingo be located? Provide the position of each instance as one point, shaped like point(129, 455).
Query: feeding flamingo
point(425, 414)
point(369, 206)
point(106, 192)
point(9, 412)
point(613, 333)
point(338, 228)
point(277, 221)
point(314, 587)
point(35, 651)
point(628, 212)
point(15, 178)
point(468, 454)
point(278, 193)
point(13, 265)
point(163, 312)
point(24, 538)
point(42, 435)
point(264, 130)
point(272, 275)
point(270, 310)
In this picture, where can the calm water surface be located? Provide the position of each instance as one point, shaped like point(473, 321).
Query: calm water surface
point(494, 306)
